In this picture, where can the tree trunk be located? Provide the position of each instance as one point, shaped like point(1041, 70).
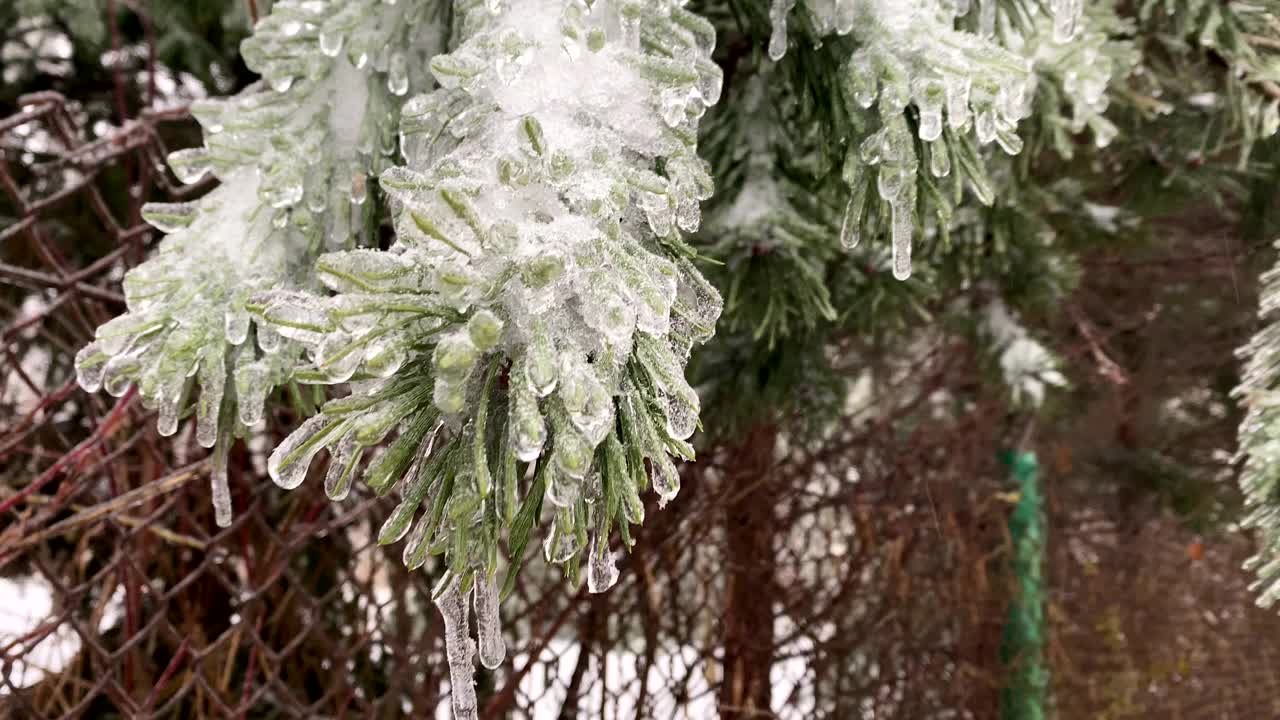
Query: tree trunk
point(747, 632)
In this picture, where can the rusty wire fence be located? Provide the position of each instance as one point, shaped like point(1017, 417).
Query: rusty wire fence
point(862, 574)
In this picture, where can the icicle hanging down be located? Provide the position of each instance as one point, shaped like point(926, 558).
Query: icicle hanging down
point(459, 649)
point(778, 11)
point(492, 649)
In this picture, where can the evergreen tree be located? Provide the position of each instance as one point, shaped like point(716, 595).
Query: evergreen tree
point(467, 240)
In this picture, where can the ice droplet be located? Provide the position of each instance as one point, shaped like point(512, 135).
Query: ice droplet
point(666, 479)
point(91, 361)
point(331, 43)
point(561, 543)
point(939, 160)
point(169, 217)
point(602, 572)
point(288, 463)
point(189, 165)
point(398, 75)
point(778, 11)
point(572, 454)
point(359, 187)
point(850, 232)
point(236, 325)
point(528, 427)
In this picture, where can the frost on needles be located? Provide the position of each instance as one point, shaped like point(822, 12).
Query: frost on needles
point(293, 154)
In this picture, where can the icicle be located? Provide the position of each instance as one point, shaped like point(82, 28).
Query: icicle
point(984, 124)
point(572, 454)
point(846, 15)
point(901, 230)
point(170, 404)
point(563, 490)
point(383, 357)
point(459, 649)
point(958, 101)
point(359, 191)
point(987, 17)
point(1066, 16)
point(929, 97)
point(629, 23)
point(862, 78)
point(681, 412)
point(529, 432)
point(221, 491)
point(213, 378)
point(449, 397)
point(778, 11)
point(251, 392)
point(1009, 141)
point(236, 324)
point(488, 626)
point(540, 364)
point(939, 159)
point(850, 232)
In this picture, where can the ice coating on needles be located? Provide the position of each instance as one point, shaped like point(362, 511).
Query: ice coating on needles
point(539, 302)
point(293, 154)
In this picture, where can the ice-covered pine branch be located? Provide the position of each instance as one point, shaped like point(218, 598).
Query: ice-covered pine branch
point(922, 88)
point(293, 155)
point(525, 337)
point(1260, 441)
point(912, 53)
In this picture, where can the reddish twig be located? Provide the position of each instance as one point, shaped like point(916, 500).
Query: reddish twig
point(104, 430)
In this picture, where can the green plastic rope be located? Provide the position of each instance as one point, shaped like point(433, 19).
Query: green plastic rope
point(1025, 696)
